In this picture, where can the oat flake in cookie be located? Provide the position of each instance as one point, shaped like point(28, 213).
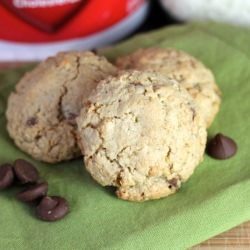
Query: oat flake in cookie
point(191, 73)
point(41, 111)
point(142, 133)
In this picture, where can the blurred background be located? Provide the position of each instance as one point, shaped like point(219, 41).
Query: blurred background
point(157, 17)
point(32, 30)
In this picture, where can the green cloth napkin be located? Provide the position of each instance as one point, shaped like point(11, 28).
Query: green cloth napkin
point(215, 199)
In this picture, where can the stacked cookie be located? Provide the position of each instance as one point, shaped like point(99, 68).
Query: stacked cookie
point(141, 125)
point(188, 71)
point(41, 112)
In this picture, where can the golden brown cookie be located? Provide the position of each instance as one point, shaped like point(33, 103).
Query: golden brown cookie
point(142, 133)
point(178, 65)
point(41, 111)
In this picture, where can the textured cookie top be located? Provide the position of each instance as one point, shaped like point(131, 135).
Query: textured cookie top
point(41, 112)
point(141, 132)
point(178, 65)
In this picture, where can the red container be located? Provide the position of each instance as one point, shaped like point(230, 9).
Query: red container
point(36, 29)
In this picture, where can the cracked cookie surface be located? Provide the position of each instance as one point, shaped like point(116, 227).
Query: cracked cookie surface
point(142, 133)
point(178, 65)
point(41, 111)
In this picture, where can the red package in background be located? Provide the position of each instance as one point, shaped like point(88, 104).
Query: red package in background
point(36, 29)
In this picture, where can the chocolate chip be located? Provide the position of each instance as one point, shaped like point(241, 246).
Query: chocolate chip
point(25, 172)
point(71, 116)
point(52, 208)
point(193, 113)
point(34, 193)
point(221, 147)
point(94, 51)
point(174, 183)
point(6, 176)
point(31, 121)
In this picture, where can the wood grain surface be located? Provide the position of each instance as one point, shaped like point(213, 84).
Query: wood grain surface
point(234, 239)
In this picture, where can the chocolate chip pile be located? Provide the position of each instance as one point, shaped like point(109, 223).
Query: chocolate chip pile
point(48, 208)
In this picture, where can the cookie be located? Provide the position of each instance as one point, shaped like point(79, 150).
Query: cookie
point(142, 133)
point(41, 111)
point(178, 65)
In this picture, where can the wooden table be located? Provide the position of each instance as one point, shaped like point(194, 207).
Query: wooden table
point(236, 238)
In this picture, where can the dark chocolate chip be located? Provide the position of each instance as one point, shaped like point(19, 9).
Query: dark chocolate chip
point(174, 182)
point(221, 147)
point(94, 51)
point(31, 121)
point(6, 176)
point(25, 172)
point(52, 208)
point(71, 116)
point(34, 193)
point(193, 113)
